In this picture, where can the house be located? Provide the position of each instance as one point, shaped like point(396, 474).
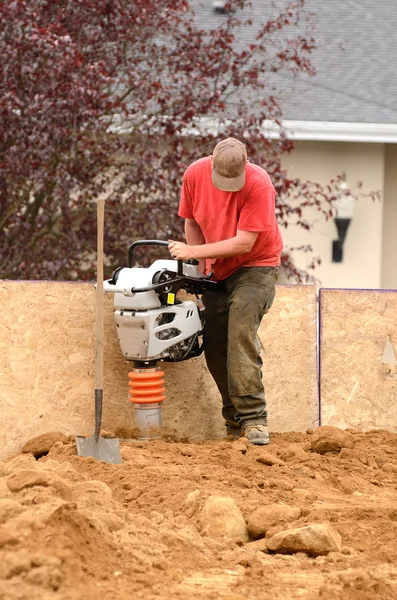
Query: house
point(343, 121)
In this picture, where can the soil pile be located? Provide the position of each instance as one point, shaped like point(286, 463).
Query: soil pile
point(311, 516)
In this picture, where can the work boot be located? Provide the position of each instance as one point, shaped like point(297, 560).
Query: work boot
point(256, 434)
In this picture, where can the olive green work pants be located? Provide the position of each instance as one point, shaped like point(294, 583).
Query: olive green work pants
point(232, 350)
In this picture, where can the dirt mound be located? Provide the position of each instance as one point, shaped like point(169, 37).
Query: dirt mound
point(159, 525)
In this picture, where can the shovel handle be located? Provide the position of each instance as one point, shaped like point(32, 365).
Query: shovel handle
point(99, 318)
point(99, 297)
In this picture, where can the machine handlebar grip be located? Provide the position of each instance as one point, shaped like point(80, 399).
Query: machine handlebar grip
point(150, 243)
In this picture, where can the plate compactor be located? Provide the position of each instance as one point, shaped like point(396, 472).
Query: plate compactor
point(153, 325)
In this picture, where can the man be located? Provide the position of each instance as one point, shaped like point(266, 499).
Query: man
point(229, 209)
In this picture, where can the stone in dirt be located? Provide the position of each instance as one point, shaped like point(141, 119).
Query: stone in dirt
point(14, 563)
point(315, 540)
point(192, 502)
point(28, 478)
point(267, 458)
point(266, 517)
point(221, 517)
point(389, 467)
point(17, 463)
point(295, 453)
point(241, 446)
point(42, 444)
point(331, 439)
point(7, 538)
point(93, 495)
point(8, 509)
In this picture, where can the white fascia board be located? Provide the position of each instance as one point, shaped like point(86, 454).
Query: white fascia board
point(328, 131)
point(320, 131)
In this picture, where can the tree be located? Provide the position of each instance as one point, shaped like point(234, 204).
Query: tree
point(117, 97)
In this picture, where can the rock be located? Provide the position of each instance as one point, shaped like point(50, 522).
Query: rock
point(295, 453)
point(265, 517)
point(334, 557)
point(315, 540)
point(192, 503)
point(93, 495)
point(190, 533)
point(240, 482)
point(29, 478)
point(260, 545)
point(347, 551)
point(8, 509)
point(186, 451)
point(350, 455)
point(14, 563)
point(303, 471)
point(17, 463)
point(310, 431)
point(280, 483)
point(221, 517)
point(331, 439)
point(389, 467)
point(7, 538)
point(240, 446)
point(266, 458)
point(45, 577)
point(42, 444)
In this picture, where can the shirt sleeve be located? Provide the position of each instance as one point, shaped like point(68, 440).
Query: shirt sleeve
point(258, 212)
point(185, 202)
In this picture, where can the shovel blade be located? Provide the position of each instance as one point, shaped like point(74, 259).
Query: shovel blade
point(106, 449)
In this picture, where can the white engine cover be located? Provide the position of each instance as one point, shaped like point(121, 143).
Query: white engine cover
point(147, 335)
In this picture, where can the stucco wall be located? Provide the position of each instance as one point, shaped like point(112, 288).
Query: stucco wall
point(320, 162)
point(389, 240)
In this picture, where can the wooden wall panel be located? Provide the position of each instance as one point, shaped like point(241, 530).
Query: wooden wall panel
point(47, 334)
point(358, 384)
point(288, 334)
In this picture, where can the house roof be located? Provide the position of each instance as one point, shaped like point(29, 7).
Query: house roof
point(355, 61)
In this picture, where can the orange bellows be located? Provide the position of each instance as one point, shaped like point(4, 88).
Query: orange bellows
point(146, 387)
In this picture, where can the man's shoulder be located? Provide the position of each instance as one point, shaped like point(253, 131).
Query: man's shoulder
point(258, 175)
point(198, 166)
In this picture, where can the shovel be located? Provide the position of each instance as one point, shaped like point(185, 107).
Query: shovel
point(107, 449)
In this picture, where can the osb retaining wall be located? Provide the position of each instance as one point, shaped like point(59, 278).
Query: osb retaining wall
point(358, 379)
point(47, 336)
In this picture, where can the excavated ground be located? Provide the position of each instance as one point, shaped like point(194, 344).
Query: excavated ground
point(73, 528)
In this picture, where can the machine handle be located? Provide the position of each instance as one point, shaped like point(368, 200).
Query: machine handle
point(150, 243)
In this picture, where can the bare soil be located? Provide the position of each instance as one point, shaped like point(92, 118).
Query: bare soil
point(74, 528)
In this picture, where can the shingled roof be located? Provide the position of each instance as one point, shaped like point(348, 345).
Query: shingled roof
point(356, 60)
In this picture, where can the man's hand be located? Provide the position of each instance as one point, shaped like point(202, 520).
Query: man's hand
point(180, 251)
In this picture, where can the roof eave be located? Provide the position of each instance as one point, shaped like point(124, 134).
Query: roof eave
point(330, 131)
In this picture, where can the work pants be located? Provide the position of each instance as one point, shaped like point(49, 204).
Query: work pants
point(232, 350)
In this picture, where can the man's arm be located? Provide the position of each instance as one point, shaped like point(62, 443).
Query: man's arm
point(194, 235)
point(241, 243)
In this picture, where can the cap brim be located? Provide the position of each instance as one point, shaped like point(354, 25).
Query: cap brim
point(228, 184)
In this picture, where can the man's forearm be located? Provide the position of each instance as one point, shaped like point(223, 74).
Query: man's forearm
point(196, 248)
point(223, 249)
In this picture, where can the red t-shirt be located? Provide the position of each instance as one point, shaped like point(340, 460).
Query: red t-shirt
point(220, 214)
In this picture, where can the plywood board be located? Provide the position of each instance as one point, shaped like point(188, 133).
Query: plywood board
point(47, 332)
point(288, 334)
point(358, 333)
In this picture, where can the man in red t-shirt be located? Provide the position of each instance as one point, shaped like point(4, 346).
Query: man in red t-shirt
point(229, 209)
